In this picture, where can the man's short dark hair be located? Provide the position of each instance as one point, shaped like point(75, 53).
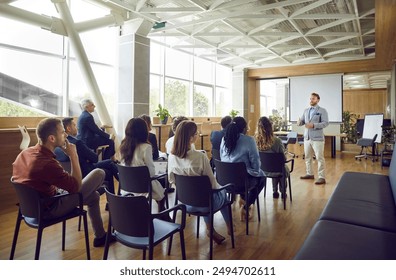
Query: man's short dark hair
point(47, 127)
point(67, 121)
point(315, 94)
point(225, 121)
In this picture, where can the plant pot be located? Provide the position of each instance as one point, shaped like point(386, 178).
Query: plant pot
point(164, 121)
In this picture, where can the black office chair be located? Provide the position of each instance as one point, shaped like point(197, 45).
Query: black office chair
point(197, 191)
point(67, 166)
point(365, 143)
point(273, 165)
point(235, 173)
point(134, 226)
point(32, 211)
point(291, 138)
point(137, 180)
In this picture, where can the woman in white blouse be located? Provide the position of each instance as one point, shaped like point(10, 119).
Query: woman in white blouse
point(183, 160)
point(135, 150)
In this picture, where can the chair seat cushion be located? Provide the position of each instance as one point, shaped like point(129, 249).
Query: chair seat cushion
point(329, 240)
point(362, 199)
point(161, 229)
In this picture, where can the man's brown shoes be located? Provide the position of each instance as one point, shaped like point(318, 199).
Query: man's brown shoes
point(307, 177)
point(320, 181)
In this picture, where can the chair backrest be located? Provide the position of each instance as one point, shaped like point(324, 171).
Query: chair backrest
point(272, 162)
point(29, 200)
point(134, 179)
point(193, 190)
point(216, 154)
point(292, 137)
point(231, 172)
point(25, 137)
point(130, 215)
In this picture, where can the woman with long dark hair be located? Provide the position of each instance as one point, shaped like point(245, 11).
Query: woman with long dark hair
point(135, 150)
point(236, 146)
point(268, 142)
point(184, 160)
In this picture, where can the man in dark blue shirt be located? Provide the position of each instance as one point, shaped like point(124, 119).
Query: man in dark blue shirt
point(88, 158)
point(217, 135)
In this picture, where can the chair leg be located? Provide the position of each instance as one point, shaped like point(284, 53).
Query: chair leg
point(79, 223)
point(144, 254)
point(107, 244)
point(290, 190)
point(211, 239)
point(87, 236)
point(63, 235)
point(16, 232)
point(231, 226)
point(246, 212)
point(258, 208)
point(198, 220)
point(151, 251)
point(182, 245)
point(38, 243)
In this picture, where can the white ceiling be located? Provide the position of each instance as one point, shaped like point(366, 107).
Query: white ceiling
point(266, 33)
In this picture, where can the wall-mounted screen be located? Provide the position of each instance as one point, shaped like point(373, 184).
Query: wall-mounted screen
point(329, 88)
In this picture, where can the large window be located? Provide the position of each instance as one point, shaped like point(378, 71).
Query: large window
point(177, 97)
point(188, 83)
point(33, 61)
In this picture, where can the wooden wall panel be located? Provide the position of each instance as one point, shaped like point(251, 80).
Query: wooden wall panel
point(363, 102)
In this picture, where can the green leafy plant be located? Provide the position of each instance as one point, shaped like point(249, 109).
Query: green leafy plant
point(348, 127)
point(162, 113)
point(233, 113)
point(277, 120)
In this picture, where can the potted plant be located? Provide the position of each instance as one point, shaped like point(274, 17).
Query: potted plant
point(233, 113)
point(277, 120)
point(162, 113)
point(348, 127)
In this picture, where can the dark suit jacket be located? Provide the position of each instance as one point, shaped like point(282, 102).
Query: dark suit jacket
point(86, 156)
point(88, 130)
point(153, 141)
point(215, 138)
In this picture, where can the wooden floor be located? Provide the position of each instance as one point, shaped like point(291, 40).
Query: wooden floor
point(278, 236)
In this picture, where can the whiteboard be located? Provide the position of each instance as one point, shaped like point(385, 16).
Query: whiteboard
point(372, 126)
point(329, 88)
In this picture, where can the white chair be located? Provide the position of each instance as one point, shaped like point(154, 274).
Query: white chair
point(25, 137)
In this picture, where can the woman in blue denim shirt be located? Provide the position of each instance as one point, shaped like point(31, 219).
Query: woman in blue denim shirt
point(236, 146)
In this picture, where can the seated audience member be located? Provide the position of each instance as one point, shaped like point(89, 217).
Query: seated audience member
point(268, 142)
point(90, 133)
point(152, 138)
point(136, 151)
point(169, 142)
point(88, 159)
point(153, 141)
point(236, 146)
point(37, 167)
point(184, 160)
point(217, 135)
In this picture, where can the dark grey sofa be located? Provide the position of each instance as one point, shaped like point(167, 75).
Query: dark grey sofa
point(358, 222)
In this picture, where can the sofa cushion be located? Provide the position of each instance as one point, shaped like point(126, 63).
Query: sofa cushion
point(362, 199)
point(329, 240)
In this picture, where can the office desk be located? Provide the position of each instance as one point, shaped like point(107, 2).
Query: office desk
point(332, 137)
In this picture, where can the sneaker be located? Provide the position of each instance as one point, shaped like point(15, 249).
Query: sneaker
point(320, 181)
point(307, 177)
point(100, 241)
point(275, 195)
point(284, 196)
